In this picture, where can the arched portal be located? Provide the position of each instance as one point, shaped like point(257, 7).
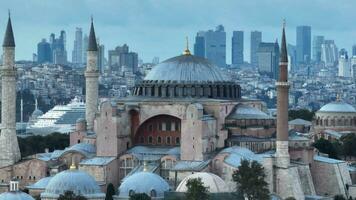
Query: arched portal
point(160, 130)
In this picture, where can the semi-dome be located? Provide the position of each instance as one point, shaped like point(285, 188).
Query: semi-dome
point(243, 111)
point(338, 106)
point(186, 68)
point(212, 181)
point(16, 195)
point(187, 76)
point(143, 182)
point(77, 181)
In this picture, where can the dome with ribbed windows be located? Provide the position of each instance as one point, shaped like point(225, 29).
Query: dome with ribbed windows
point(187, 76)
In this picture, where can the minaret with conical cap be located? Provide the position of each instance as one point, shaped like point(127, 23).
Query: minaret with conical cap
point(91, 80)
point(9, 148)
point(282, 154)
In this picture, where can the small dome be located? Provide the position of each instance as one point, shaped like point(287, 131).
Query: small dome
point(77, 181)
point(15, 196)
point(186, 68)
point(338, 106)
point(143, 182)
point(243, 111)
point(212, 181)
point(41, 184)
point(36, 113)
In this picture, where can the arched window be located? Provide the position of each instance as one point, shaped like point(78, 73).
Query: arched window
point(142, 139)
point(153, 193)
point(177, 140)
point(78, 141)
point(159, 140)
point(168, 140)
point(150, 139)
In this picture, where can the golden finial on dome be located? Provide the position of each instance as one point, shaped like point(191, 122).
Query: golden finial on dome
point(186, 51)
point(145, 166)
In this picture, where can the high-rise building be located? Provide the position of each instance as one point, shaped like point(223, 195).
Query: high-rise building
point(344, 64)
point(237, 48)
point(303, 44)
point(256, 39)
point(85, 47)
point(199, 45)
point(268, 58)
point(121, 56)
point(353, 66)
point(77, 53)
point(329, 53)
point(318, 40)
point(101, 57)
point(292, 53)
point(354, 50)
point(214, 45)
point(43, 52)
point(58, 47)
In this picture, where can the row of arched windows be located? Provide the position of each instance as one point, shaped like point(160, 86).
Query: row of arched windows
point(160, 140)
point(335, 121)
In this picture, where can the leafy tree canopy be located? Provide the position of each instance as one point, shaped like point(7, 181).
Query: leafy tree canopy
point(196, 190)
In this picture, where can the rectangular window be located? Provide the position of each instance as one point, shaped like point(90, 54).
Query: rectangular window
point(173, 126)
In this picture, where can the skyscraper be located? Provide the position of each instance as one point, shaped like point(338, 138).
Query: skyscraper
point(329, 53)
point(268, 58)
point(256, 39)
point(58, 47)
point(214, 45)
point(121, 56)
point(101, 57)
point(344, 64)
point(85, 47)
point(199, 45)
point(237, 48)
point(43, 52)
point(292, 52)
point(78, 47)
point(354, 50)
point(303, 44)
point(318, 40)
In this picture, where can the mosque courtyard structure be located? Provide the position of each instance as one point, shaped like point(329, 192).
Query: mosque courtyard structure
point(184, 120)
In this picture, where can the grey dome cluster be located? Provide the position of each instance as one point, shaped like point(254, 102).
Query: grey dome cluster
point(187, 76)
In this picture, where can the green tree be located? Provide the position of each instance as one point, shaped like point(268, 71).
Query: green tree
point(348, 145)
point(325, 146)
point(140, 196)
point(196, 190)
point(250, 180)
point(301, 114)
point(110, 191)
point(339, 197)
point(69, 195)
point(290, 198)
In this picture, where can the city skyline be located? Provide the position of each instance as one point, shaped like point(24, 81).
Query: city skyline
point(143, 24)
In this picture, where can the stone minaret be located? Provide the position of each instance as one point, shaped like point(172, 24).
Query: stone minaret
point(282, 154)
point(9, 148)
point(91, 80)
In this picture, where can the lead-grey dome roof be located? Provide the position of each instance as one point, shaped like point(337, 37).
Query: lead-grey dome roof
point(186, 68)
point(143, 182)
point(338, 106)
point(15, 196)
point(77, 181)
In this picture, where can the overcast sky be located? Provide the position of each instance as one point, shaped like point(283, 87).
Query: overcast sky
point(158, 27)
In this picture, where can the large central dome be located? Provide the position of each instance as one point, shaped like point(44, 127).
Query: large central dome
point(187, 76)
point(186, 68)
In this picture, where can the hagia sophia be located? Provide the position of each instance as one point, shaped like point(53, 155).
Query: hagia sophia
point(185, 120)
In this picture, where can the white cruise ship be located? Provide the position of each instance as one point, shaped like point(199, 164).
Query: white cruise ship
point(61, 119)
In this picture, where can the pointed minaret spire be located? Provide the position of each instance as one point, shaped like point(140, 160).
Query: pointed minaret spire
point(92, 46)
point(284, 54)
point(9, 40)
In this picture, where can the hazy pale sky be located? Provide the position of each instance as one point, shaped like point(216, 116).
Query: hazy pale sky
point(158, 27)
